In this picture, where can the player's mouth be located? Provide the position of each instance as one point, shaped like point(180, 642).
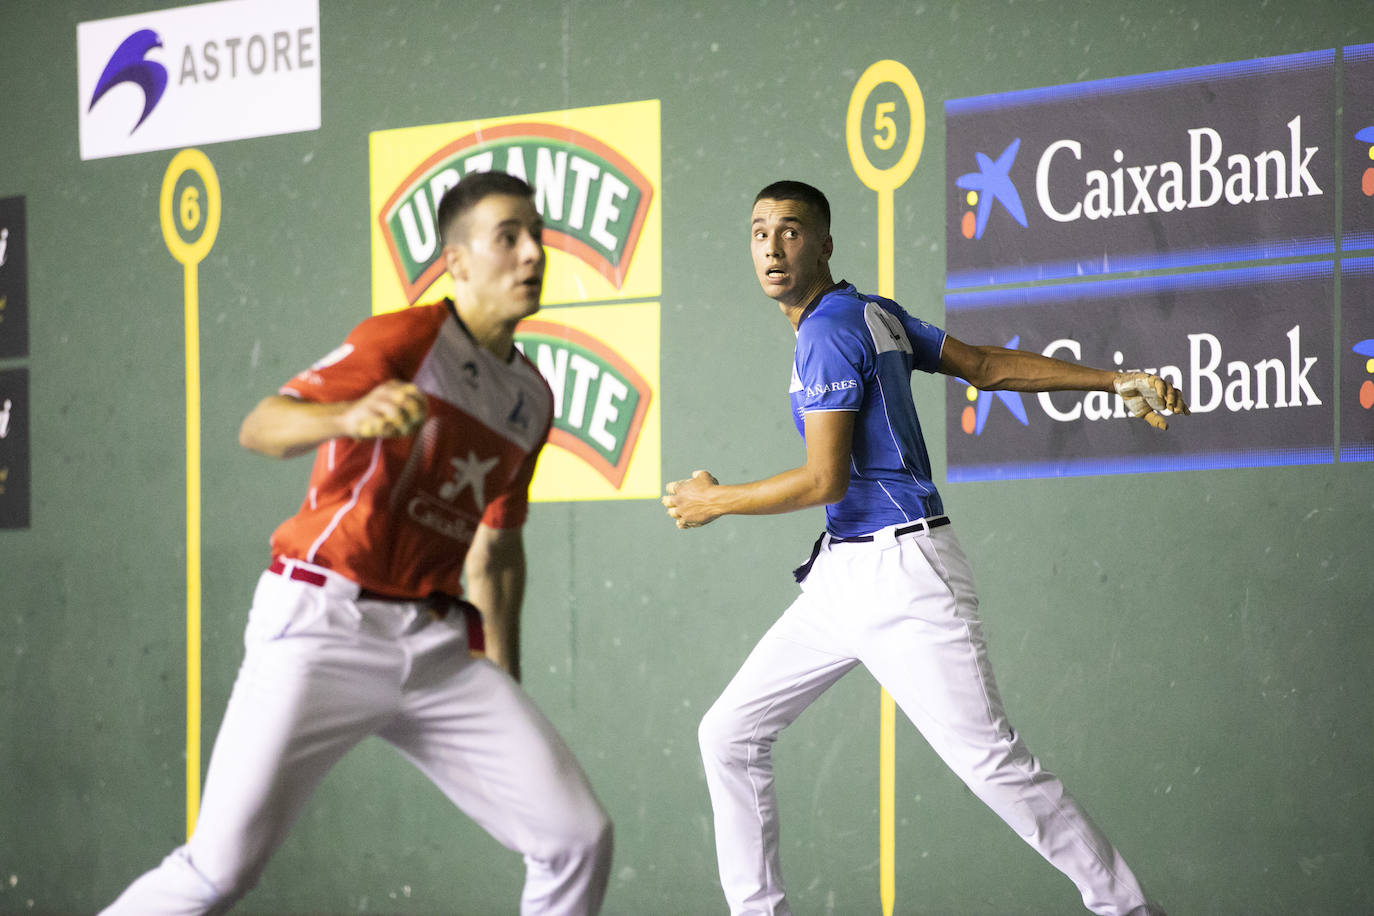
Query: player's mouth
point(776, 274)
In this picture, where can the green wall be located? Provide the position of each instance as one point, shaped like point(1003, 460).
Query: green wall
point(1189, 651)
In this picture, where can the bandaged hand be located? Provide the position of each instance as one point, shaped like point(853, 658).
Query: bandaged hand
point(1147, 396)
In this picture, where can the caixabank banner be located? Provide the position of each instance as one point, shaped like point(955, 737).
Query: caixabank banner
point(14, 280)
point(596, 175)
point(1205, 165)
point(1357, 210)
point(14, 448)
point(1357, 360)
point(1251, 349)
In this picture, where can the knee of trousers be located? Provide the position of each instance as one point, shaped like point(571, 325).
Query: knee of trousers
point(725, 738)
point(587, 836)
point(219, 883)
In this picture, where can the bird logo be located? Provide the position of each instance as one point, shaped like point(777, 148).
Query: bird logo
point(128, 65)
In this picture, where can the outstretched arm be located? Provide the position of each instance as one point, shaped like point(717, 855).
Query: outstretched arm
point(495, 574)
point(823, 479)
point(283, 427)
point(992, 368)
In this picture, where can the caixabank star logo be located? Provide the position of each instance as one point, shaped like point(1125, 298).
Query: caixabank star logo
point(989, 185)
point(1365, 348)
point(596, 179)
point(974, 417)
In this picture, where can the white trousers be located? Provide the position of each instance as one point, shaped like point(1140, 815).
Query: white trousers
point(324, 670)
point(905, 608)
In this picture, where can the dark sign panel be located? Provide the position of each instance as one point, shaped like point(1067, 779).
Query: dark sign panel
point(14, 448)
point(1357, 210)
point(1207, 165)
point(14, 280)
point(1357, 360)
point(1251, 349)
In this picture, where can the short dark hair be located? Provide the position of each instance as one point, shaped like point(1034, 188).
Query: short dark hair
point(469, 192)
point(798, 190)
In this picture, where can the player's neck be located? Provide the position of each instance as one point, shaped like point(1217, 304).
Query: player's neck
point(794, 306)
point(495, 334)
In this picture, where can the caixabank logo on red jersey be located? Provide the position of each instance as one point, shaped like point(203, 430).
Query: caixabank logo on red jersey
point(596, 179)
point(1261, 390)
point(1181, 168)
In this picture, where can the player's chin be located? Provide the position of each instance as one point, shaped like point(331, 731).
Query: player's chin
point(774, 288)
point(526, 300)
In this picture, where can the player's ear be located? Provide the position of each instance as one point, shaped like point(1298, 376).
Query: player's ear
point(827, 248)
point(455, 261)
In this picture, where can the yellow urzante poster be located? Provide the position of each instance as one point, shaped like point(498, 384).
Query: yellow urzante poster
point(597, 179)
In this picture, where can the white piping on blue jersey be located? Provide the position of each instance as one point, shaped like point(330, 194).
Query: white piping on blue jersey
point(871, 302)
point(896, 505)
point(925, 491)
point(352, 501)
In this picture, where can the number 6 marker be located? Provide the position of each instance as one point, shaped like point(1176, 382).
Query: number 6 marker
point(191, 214)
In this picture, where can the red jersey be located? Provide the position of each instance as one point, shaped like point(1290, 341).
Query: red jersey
point(398, 515)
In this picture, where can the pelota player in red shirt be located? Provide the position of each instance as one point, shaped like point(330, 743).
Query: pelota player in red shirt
point(426, 425)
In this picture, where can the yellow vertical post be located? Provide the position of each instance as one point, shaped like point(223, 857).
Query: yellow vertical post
point(193, 589)
point(189, 210)
point(885, 182)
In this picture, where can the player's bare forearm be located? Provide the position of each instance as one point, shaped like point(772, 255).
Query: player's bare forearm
point(701, 499)
point(822, 480)
point(993, 368)
point(283, 427)
point(495, 576)
point(1146, 396)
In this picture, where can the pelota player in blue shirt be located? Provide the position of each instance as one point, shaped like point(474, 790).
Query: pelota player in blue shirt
point(887, 584)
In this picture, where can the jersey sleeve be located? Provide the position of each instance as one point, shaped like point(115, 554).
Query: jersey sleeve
point(512, 507)
point(830, 366)
point(382, 347)
point(927, 341)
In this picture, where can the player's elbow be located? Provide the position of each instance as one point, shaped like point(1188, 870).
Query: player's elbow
point(252, 438)
point(985, 371)
point(831, 488)
point(261, 432)
point(249, 437)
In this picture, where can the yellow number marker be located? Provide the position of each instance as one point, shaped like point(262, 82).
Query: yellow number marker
point(885, 182)
point(189, 227)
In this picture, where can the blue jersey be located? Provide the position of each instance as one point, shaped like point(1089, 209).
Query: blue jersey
point(856, 352)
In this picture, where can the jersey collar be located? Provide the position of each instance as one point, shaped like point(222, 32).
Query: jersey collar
point(811, 306)
point(453, 311)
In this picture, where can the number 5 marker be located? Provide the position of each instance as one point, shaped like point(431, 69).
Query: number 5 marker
point(885, 182)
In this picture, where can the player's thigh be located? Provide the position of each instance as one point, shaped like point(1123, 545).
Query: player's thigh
point(480, 738)
point(786, 671)
point(925, 643)
point(305, 694)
